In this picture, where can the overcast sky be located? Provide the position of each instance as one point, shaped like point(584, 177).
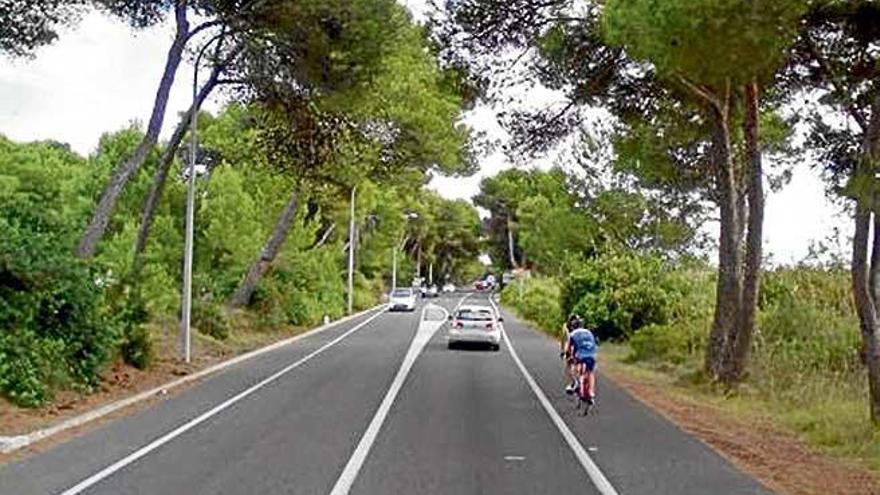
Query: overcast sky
point(102, 75)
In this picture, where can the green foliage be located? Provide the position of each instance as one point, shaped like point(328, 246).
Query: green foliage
point(136, 344)
point(709, 41)
point(382, 114)
point(537, 300)
point(230, 231)
point(807, 326)
point(28, 367)
point(682, 337)
point(210, 319)
point(618, 294)
point(52, 308)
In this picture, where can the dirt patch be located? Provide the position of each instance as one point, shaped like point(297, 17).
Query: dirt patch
point(776, 458)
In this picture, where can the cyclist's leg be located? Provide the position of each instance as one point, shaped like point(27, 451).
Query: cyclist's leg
point(583, 380)
point(590, 366)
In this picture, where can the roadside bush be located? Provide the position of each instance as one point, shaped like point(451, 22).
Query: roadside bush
point(51, 311)
point(537, 300)
point(617, 294)
point(136, 344)
point(29, 368)
point(301, 289)
point(808, 333)
point(367, 292)
point(690, 311)
point(137, 347)
point(210, 319)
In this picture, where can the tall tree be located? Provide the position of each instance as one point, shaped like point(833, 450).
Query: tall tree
point(104, 209)
point(630, 56)
point(388, 93)
point(835, 57)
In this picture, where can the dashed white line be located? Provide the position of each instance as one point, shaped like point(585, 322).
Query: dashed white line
point(426, 330)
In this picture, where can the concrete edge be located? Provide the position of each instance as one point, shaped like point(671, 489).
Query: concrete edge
point(10, 444)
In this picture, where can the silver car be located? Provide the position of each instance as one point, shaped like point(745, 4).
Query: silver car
point(402, 300)
point(474, 324)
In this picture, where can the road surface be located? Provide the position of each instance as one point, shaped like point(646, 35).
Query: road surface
point(380, 406)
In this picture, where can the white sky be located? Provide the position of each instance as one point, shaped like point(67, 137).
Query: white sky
point(102, 75)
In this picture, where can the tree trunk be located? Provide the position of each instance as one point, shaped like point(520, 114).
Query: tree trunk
point(103, 211)
point(510, 250)
point(728, 291)
point(148, 210)
point(865, 277)
point(260, 266)
point(740, 340)
point(865, 303)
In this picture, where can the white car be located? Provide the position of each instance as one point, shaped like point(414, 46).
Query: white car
point(402, 300)
point(449, 288)
point(474, 324)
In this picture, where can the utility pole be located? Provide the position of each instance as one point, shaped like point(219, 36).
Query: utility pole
point(431, 273)
point(351, 235)
point(186, 296)
point(394, 268)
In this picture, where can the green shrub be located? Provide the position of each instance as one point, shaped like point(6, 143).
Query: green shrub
point(210, 319)
point(29, 369)
point(48, 300)
point(690, 310)
point(136, 344)
point(137, 348)
point(53, 314)
point(537, 300)
point(617, 294)
point(808, 339)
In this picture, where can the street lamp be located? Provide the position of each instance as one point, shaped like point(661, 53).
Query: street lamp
point(351, 237)
point(186, 296)
point(407, 216)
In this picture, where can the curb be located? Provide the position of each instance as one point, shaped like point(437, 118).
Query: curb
point(10, 444)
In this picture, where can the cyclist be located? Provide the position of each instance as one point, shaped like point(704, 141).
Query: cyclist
point(569, 368)
point(584, 347)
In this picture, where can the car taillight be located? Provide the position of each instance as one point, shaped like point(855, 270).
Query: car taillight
point(490, 326)
point(457, 324)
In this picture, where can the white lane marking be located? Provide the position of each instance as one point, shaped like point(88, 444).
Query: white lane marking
point(514, 458)
point(349, 473)
point(10, 444)
point(155, 444)
point(599, 480)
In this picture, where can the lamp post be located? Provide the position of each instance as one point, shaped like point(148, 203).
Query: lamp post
point(351, 237)
point(407, 216)
point(186, 296)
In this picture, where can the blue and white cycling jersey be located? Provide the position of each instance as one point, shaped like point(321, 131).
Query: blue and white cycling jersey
point(584, 344)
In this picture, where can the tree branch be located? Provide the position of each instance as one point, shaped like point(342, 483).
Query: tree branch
point(702, 93)
point(832, 76)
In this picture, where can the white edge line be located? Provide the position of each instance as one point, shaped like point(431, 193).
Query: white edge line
point(599, 480)
point(12, 443)
point(359, 456)
point(155, 444)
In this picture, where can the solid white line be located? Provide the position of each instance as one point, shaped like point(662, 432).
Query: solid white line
point(350, 472)
point(599, 480)
point(9, 444)
point(155, 444)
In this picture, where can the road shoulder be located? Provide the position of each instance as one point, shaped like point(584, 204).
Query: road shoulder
point(127, 390)
point(750, 442)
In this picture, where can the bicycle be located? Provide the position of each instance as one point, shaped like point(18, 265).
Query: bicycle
point(583, 392)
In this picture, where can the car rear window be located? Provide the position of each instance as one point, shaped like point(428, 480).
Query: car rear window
point(402, 293)
point(474, 314)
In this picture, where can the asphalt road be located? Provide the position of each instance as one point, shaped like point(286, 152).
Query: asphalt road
point(380, 406)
